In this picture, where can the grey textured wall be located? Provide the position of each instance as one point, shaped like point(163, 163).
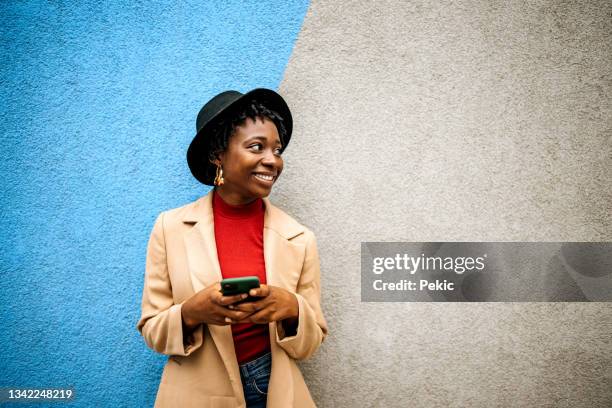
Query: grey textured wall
point(453, 121)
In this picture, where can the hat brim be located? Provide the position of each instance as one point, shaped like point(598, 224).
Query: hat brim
point(198, 152)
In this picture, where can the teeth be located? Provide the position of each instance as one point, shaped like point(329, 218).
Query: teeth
point(264, 177)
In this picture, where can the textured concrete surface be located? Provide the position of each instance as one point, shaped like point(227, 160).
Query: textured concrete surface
point(453, 121)
point(98, 107)
point(418, 121)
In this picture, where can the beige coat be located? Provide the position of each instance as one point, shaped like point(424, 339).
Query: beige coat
point(202, 371)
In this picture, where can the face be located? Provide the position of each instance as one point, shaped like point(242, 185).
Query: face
point(251, 163)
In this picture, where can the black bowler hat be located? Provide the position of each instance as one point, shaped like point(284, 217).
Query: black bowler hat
point(221, 107)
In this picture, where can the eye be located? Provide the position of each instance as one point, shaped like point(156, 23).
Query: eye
point(278, 151)
point(257, 147)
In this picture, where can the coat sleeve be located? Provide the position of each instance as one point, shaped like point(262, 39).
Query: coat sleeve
point(161, 322)
point(312, 328)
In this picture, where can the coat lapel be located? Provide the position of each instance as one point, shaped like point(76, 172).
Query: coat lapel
point(204, 270)
point(283, 258)
point(200, 245)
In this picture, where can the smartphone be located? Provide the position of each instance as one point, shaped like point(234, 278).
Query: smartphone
point(236, 286)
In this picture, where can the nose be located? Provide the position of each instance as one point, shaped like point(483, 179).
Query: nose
point(270, 159)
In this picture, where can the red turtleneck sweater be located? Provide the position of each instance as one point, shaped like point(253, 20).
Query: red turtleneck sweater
point(239, 239)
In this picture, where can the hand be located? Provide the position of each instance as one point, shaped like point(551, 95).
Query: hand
point(274, 304)
point(211, 307)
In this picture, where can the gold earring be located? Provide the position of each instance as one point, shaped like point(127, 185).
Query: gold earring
point(219, 177)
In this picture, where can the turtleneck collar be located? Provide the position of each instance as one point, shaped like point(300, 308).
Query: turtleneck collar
point(226, 210)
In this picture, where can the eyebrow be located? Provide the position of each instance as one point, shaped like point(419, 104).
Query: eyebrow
point(262, 138)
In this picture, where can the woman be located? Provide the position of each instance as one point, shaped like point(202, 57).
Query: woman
point(225, 351)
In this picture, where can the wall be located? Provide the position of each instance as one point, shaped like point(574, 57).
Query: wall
point(420, 121)
point(453, 121)
point(99, 106)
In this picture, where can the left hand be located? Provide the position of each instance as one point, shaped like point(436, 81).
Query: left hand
point(274, 304)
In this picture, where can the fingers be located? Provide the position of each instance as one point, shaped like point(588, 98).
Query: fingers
point(259, 312)
point(231, 316)
point(248, 306)
point(262, 291)
point(260, 317)
point(224, 321)
point(228, 300)
point(238, 318)
point(228, 311)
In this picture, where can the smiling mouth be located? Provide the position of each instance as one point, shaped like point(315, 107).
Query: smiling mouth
point(264, 177)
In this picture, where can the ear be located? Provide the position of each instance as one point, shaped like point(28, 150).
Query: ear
point(218, 160)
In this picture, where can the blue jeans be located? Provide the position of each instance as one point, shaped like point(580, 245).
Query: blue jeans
point(255, 376)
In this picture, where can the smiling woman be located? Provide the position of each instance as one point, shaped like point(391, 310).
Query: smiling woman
point(227, 352)
point(251, 163)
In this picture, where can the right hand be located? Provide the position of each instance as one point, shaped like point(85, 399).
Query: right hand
point(210, 306)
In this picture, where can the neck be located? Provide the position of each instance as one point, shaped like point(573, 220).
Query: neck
point(233, 198)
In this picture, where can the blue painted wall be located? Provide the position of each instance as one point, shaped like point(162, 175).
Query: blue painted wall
point(99, 106)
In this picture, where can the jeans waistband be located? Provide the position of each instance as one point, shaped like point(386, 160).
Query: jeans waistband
point(252, 367)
